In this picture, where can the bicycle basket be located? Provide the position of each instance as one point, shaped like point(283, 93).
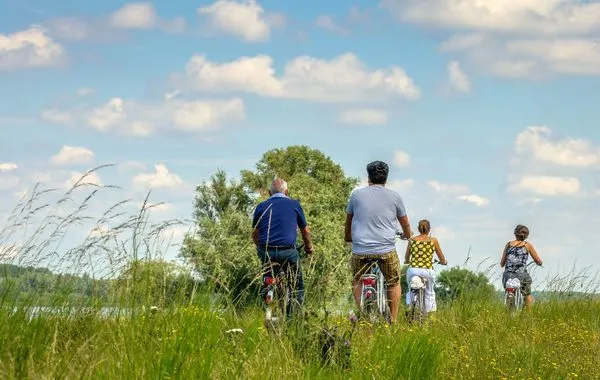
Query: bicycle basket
point(513, 283)
point(416, 282)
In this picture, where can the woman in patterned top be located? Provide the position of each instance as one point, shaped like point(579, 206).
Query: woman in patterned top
point(419, 255)
point(514, 261)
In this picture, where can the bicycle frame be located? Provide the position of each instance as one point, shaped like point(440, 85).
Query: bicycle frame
point(278, 286)
point(513, 298)
point(373, 295)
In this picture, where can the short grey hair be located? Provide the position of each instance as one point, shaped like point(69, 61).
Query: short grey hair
point(278, 186)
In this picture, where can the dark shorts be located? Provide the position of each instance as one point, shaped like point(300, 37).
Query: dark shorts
point(388, 263)
point(524, 277)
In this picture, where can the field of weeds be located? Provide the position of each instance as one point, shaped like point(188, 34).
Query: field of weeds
point(466, 340)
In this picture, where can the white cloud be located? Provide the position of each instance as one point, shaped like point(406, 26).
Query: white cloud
point(69, 28)
point(401, 158)
point(141, 119)
point(85, 91)
point(195, 116)
point(537, 142)
point(327, 23)
point(546, 17)
point(244, 19)
point(73, 155)
point(29, 48)
point(401, 185)
point(134, 16)
point(515, 39)
point(458, 79)
point(363, 116)
point(448, 188)
point(157, 207)
point(475, 199)
point(57, 116)
point(8, 166)
point(342, 79)
point(547, 186)
point(142, 15)
point(83, 179)
point(161, 178)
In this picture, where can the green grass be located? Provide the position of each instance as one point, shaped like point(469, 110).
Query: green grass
point(474, 340)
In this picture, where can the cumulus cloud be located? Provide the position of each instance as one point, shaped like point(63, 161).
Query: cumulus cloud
point(458, 191)
point(538, 143)
point(448, 188)
point(547, 186)
point(244, 19)
point(7, 167)
point(458, 79)
point(29, 48)
point(85, 91)
point(342, 79)
point(543, 17)
point(73, 155)
point(162, 178)
point(142, 15)
point(83, 179)
point(363, 116)
point(475, 199)
point(143, 119)
point(326, 22)
point(401, 158)
point(514, 39)
point(57, 116)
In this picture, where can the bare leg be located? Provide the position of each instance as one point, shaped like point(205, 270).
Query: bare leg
point(356, 288)
point(393, 294)
point(528, 301)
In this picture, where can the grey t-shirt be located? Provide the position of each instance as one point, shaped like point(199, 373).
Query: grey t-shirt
point(375, 211)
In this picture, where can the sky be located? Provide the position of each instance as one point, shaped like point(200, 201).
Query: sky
point(484, 109)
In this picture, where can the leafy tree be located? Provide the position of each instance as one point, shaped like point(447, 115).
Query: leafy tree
point(158, 283)
point(222, 249)
point(457, 282)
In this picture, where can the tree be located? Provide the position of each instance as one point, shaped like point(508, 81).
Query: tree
point(155, 283)
point(222, 250)
point(457, 282)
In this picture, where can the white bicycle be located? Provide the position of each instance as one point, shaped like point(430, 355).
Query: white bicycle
point(513, 298)
point(418, 284)
point(373, 295)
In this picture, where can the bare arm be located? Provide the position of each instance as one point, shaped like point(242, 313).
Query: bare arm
point(405, 224)
point(438, 252)
point(534, 254)
point(306, 238)
point(348, 228)
point(407, 254)
point(503, 259)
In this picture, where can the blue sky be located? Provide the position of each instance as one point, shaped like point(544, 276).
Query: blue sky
point(484, 109)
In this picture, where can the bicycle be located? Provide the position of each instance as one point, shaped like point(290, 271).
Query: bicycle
point(373, 295)
point(278, 287)
point(513, 297)
point(417, 287)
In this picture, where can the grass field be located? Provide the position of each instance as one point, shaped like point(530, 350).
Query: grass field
point(465, 340)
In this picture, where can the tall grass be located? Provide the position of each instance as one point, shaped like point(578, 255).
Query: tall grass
point(471, 338)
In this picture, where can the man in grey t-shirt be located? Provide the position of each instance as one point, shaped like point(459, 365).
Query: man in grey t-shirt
point(373, 214)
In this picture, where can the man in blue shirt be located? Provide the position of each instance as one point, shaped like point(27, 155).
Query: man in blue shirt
point(275, 224)
point(373, 216)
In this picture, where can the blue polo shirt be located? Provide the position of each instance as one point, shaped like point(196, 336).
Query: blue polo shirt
point(278, 219)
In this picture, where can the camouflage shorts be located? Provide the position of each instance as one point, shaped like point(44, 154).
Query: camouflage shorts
point(388, 263)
